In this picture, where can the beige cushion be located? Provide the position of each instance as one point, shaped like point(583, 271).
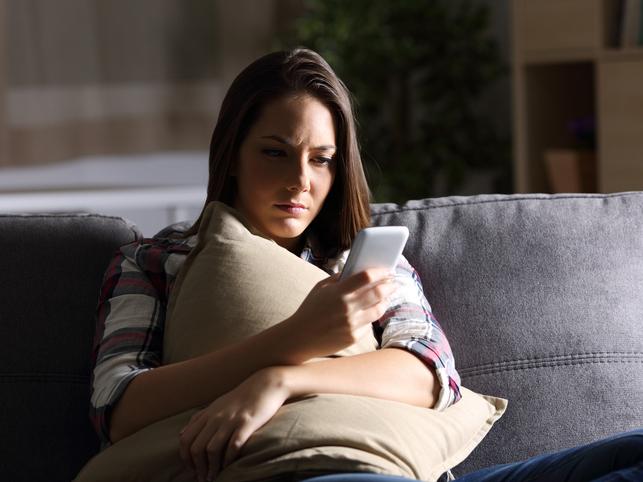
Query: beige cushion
point(236, 283)
point(324, 432)
point(241, 285)
point(348, 433)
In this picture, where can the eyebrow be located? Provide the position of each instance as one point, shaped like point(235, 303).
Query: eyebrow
point(290, 143)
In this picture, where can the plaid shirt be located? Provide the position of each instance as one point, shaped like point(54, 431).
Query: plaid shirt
point(132, 306)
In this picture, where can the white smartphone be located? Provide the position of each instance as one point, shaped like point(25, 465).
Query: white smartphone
point(376, 247)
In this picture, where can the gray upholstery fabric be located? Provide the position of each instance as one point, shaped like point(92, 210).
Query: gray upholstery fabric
point(539, 295)
point(541, 299)
point(51, 273)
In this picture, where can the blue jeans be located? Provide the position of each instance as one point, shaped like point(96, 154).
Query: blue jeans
point(616, 458)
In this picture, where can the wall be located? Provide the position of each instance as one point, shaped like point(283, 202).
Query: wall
point(127, 110)
point(85, 77)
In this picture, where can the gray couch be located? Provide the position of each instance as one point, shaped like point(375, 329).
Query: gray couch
point(541, 297)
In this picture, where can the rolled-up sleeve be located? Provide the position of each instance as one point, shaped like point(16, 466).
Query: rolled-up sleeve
point(130, 319)
point(409, 324)
point(128, 338)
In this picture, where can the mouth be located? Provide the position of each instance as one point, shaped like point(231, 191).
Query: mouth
point(292, 208)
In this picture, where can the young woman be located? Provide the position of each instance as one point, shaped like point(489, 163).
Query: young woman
point(284, 153)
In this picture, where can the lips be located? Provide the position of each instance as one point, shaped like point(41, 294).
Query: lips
point(291, 205)
point(293, 209)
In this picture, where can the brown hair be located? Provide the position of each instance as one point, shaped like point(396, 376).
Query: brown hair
point(279, 74)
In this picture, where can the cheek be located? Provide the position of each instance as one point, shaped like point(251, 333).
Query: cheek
point(259, 186)
point(266, 178)
point(251, 177)
point(327, 181)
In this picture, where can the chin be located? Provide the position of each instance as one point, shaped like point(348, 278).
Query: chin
point(289, 232)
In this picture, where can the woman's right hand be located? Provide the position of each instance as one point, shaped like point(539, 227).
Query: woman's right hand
point(336, 314)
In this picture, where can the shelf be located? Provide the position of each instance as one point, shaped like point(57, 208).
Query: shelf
point(618, 55)
point(560, 56)
point(582, 55)
point(554, 96)
point(566, 67)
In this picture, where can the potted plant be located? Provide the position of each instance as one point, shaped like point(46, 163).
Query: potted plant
point(417, 69)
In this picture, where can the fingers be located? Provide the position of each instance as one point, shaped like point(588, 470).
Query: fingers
point(365, 278)
point(237, 440)
point(202, 447)
point(214, 450)
point(365, 289)
point(373, 294)
point(187, 437)
point(375, 312)
point(206, 448)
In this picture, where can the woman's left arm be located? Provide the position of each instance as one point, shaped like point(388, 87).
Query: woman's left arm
point(214, 436)
point(389, 373)
point(415, 364)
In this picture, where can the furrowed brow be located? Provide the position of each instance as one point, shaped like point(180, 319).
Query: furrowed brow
point(288, 142)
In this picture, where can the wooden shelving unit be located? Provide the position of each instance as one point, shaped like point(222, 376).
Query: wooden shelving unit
point(566, 66)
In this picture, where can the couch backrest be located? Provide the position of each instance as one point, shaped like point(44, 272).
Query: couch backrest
point(541, 298)
point(51, 273)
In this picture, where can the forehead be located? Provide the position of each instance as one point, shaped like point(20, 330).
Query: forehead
point(300, 118)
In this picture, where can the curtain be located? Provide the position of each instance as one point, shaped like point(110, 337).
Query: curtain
point(82, 77)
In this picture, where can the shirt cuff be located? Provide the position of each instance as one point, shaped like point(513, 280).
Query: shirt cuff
point(446, 396)
point(449, 385)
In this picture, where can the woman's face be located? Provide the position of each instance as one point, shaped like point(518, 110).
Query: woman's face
point(286, 168)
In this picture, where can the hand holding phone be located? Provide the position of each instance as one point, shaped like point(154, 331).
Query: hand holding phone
point(375, 247)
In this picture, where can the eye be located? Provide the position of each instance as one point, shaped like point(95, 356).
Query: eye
point(323, 160)
point(274, 152)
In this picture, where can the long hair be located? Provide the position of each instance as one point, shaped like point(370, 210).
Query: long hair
point(276, 75)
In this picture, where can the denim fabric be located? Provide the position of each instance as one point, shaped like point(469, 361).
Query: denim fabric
point(358, 477)
point(577, 464)
point(631, 474)
point(344, 476)
point(616, 458)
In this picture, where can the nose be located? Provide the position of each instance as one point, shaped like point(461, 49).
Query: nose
point(299, 177)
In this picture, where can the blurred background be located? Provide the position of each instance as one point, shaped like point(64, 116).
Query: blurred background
point(108, 105)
